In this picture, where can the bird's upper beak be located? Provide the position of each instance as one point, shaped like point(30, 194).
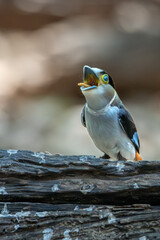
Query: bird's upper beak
point(90, 79)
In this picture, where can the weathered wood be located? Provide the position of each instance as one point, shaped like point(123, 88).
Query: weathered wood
point(38, 177)
point(72, 222)
point(46, 196)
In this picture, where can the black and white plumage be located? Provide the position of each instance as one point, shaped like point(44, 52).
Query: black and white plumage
point(108, 122)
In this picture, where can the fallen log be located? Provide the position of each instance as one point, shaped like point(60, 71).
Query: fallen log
point(46, 196)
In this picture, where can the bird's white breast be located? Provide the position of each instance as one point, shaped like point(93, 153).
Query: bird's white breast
point(104, 129)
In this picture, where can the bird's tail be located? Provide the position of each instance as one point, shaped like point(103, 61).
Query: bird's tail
point(137, 157)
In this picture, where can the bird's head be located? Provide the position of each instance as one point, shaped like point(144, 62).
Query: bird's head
point(97, 87)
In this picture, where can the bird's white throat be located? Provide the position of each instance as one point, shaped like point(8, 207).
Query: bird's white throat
point(99, 97)
point(102, 110)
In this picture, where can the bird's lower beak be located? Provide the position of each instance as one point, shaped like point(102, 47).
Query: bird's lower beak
point(90, 78)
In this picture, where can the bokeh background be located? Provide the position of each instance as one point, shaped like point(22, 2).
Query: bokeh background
point(43, 47)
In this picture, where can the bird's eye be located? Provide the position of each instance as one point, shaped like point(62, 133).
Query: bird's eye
point(105, 78)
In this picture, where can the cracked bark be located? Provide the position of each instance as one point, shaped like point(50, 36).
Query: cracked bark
point(47, 196)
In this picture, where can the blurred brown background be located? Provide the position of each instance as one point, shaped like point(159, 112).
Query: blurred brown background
point(43, 47)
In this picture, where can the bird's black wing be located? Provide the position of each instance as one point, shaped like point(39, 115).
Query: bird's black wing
point(128, 125)
point(83, 120)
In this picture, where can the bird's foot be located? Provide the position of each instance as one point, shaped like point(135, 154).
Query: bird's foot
point(105, 156)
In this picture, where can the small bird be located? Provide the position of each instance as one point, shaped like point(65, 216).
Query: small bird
point(108, 122)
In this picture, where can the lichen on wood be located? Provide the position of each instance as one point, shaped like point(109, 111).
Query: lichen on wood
point(46, 196)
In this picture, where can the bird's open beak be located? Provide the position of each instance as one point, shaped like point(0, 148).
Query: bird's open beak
point(90, 79)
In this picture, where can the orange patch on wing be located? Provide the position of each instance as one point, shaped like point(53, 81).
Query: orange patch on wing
point(138, 157)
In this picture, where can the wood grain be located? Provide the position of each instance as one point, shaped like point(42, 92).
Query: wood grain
point(69, 221)
point(46, 196)
point(38, 177)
